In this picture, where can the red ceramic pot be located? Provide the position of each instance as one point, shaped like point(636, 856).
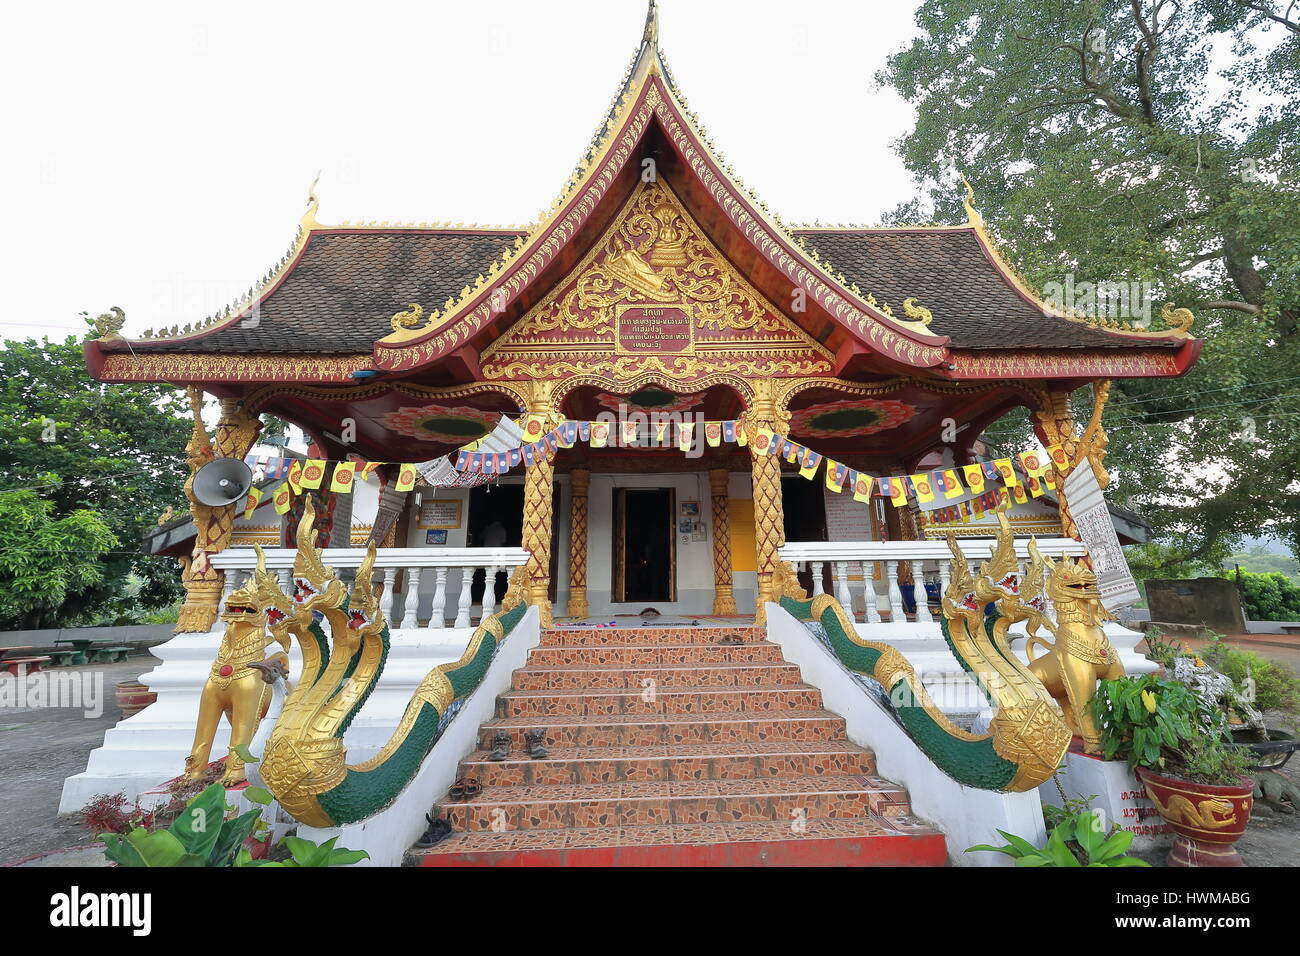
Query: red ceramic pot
point(133, 697)
point(1206, 819)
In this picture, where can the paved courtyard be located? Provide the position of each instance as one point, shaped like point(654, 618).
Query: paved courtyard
point(39, 747)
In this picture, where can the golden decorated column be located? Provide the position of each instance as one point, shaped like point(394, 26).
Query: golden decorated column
point(579, 481)
point(1054, 425)
point(539, 481)
point(724, 601)
point(236, 432)
point(769, 515)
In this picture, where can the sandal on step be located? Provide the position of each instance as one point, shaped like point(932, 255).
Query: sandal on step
point(500, 745)
point(536, 749)
point(457, 791)
point(439, 830)
point(472, 789)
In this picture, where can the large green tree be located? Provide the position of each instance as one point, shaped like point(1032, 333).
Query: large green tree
point(1150, 142)
point(97, 457)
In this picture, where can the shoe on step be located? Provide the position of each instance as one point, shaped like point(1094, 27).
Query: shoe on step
point(500, 745)
point(439, 830)
point(536, 749)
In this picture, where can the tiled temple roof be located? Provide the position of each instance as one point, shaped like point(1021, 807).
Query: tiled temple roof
point(950, 273)
point(339, 297)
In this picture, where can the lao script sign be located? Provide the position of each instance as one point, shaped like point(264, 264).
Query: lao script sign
point(1088, 507)
point(650, 329)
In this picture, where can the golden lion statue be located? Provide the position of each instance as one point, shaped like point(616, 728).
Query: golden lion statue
point(1081, 654)
point(238, 684)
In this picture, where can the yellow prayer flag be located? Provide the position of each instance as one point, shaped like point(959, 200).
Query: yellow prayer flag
point(313, 473)
point(405, 478)
point(809, 463)
point(713, 433)
point(599, 434)
point(250, 503)
point(951, 484)
point(898, 492)
point(344, 475)
point(974, 475)
point(923, 486)
point(1019, 492)
point(295, 477)
point(763, 440)
point(861, 487)
point(1007, 471)
point(630, 430)
point(283, 498)
point(835, 473)
point(685, 436)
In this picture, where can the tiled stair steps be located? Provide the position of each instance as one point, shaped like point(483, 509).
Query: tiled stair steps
point(724, 757)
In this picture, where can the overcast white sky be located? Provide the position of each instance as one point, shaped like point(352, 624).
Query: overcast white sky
point(157, 155)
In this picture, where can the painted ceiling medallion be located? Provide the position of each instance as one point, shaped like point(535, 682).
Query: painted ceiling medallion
point(651, 399)
point(435, 423)
point(864, 416)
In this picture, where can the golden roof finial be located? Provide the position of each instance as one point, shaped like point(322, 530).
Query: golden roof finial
point(650, 36)
point(973, 216)
point(313, 204)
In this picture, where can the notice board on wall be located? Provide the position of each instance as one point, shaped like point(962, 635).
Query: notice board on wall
point(740, 518)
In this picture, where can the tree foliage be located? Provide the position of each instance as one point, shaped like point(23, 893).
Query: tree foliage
point(103, 461)
point(1152, 142)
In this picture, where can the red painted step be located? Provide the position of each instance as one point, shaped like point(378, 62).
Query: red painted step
point(668, 748)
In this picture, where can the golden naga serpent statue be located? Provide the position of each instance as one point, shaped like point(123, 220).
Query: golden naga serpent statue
point(305, 764)
point(1029, 733)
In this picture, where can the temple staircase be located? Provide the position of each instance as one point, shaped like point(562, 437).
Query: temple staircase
point(669, 748)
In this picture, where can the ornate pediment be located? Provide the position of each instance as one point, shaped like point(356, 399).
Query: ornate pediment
point(654, 291)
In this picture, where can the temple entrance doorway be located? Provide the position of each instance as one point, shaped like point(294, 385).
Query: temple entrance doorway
point(804, 507)
point(496, 520)
point(644, 546)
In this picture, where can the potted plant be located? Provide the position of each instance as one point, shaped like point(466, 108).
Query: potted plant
point(1179, 746)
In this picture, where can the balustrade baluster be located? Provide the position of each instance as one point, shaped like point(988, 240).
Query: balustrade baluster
point(462, 609)
point(489, 594)
point(896, 613)
point(411, 614)
point(840, 576)
point(923, 615)
point(817, 586)
point(437, 616)
point(386, 601)
point(870, 614)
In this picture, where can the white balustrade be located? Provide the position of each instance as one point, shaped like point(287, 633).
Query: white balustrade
point(237, 563)
point(853, 569)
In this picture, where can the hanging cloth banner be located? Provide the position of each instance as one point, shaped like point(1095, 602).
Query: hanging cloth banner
point(283, 499)
point(250, 503)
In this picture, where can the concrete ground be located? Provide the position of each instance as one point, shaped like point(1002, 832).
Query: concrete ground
point(39, 747)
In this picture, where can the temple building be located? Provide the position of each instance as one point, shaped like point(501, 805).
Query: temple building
point(658, 400)
point(656, 283)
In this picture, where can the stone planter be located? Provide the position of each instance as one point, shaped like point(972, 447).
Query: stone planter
point(133, 697)
point(1206, 819)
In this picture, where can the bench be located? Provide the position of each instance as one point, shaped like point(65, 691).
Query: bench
point(29, 665)
point(62, 658)
point(111, 655)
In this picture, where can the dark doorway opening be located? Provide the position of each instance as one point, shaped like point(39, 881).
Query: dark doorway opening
point(804, 508)
point(496, 520)
point(644, 559)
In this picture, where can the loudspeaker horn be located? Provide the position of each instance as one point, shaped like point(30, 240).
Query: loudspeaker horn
point(222, 482)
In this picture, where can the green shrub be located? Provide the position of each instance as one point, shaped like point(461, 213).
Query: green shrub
point(1077, 839)
point(1267, 597)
